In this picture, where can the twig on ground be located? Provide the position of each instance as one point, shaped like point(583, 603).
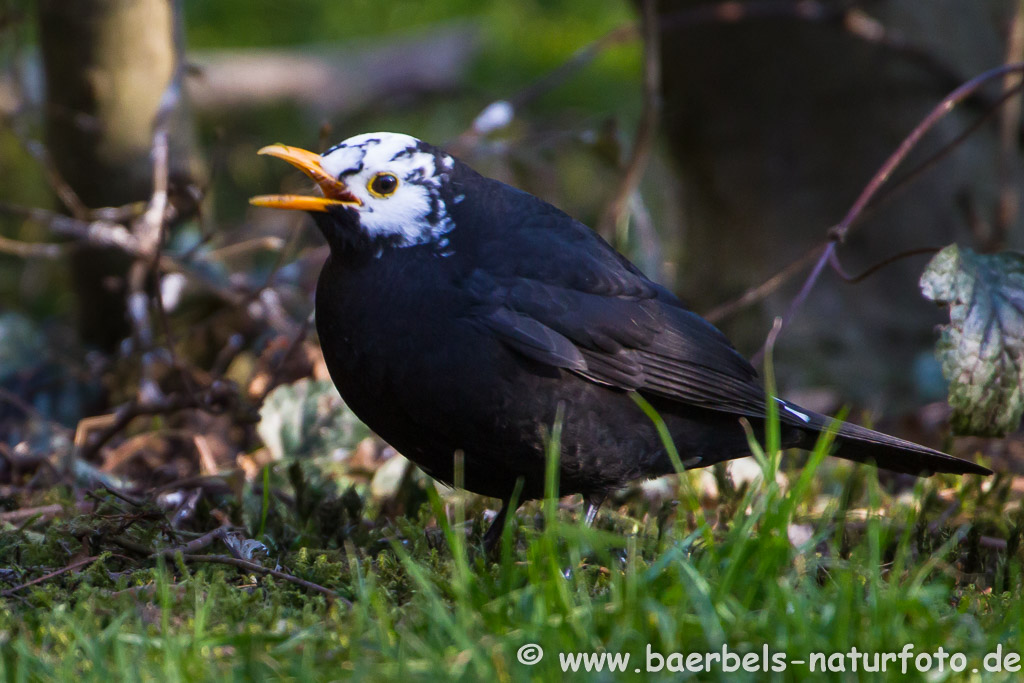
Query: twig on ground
point(131, 545)
point(211, 401)
point(275, 375)
point(207, 464)
point(134, 502)
point(64, 570)
point(254, 567)
point(150, 591)
point(204, 541)
point(22, 514)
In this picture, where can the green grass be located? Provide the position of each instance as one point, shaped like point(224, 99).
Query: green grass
point(427, 604)
point(799, 567)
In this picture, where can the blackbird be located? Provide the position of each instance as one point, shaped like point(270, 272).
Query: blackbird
point(458, 313)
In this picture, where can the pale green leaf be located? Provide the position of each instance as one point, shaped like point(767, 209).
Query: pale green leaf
point(308, 419)
point(982, 347)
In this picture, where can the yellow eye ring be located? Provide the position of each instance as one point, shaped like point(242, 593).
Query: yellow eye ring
point(383, 185)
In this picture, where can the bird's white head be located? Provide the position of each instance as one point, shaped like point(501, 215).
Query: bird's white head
point(393, 182)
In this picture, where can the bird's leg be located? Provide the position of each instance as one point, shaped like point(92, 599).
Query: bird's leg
point(493, 533)
point(593, 502)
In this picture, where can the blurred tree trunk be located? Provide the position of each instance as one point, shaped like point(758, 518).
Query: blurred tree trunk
point(108, 63)
point(777, 123)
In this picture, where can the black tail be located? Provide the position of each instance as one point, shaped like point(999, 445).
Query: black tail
point(866, 445)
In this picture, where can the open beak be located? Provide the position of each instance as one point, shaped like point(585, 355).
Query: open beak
point(335, 192)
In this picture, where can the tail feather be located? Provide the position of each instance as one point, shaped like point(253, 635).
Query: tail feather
point(866, 445)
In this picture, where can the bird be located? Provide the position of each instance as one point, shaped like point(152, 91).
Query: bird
point(460, 318)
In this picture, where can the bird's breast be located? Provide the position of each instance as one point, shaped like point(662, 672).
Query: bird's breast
point(397, 340)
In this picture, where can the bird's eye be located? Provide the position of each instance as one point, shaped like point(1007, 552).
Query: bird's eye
point(383, 185)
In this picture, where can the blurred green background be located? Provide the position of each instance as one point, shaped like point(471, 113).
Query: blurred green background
point(512, 45)
point(772, 123)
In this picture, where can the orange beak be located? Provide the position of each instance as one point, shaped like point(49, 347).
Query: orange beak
point(335, 192)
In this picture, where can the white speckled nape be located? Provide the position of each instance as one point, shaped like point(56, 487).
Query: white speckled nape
point(415, 211)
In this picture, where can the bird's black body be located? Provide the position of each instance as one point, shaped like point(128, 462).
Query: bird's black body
point(472, 340)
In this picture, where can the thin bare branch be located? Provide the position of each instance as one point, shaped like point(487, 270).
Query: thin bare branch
point(275, 376)
point(266, 243)
point(780, 322)
point(260, 569)
point(948, 103)
point(109, 234)
point(838, 233)
point(854, 279)
point(211, 400)
point(617, 208)
point(30, 249)
point(204, 541)
point(149, 228)
point(891, 191)
point(22, 514)
point(64, 570)
point(895, 187)
point(16, 121)
point(100, 232)
point(766, 288)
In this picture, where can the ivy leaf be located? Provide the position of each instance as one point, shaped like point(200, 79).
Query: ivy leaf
point(309, 419)
point(982, 347)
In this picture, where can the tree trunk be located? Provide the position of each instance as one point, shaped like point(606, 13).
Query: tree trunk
point(108, 64)
point(777, 123)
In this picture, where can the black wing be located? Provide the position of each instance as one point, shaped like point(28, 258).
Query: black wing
point(557, 293)
point(554, 291)
point(629, 342)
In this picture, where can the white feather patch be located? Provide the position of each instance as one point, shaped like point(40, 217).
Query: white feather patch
point(415, 212)
point(789, 409)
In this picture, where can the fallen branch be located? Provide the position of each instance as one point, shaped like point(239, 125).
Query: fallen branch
point(22, 514)
point(204, 541)
point(70, 568)
point(254, 567)
point(340, 81)
point(213, 400)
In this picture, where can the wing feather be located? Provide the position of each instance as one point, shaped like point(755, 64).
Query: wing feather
point(559, 294)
